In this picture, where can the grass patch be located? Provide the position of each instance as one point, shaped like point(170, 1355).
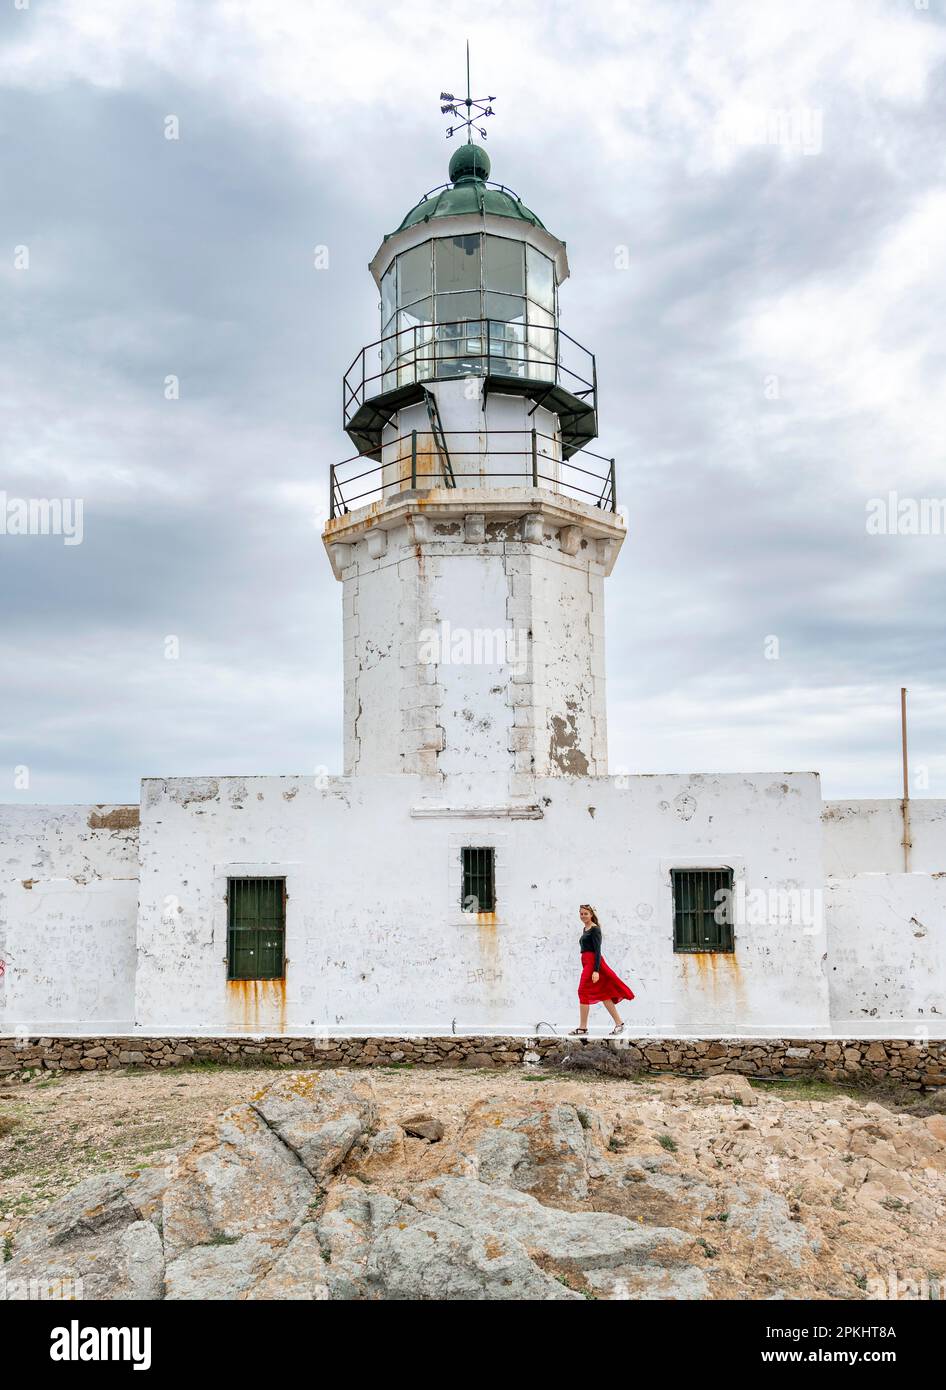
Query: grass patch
point(214, 1064)
point(667, 1142)
point(864, 1088)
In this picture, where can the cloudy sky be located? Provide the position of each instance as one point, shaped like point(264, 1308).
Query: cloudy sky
point(754, 205)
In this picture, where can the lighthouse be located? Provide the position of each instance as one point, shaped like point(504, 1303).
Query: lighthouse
point(474, 528)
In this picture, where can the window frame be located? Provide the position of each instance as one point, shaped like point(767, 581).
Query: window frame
point(483, 870)
point(232, 881)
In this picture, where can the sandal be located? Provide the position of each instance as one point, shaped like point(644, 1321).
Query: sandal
point(578, 1033)
point(617, 1030)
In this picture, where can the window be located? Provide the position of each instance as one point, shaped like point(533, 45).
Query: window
point(478, 893)
point(256, 928)
point(702, 909)
point(413, 275)
point(505, 265)
point(457, 263)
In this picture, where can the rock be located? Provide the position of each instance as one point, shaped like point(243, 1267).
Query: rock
point(94, 1206)
point(936, 1124)
point(378, 1154)
point(423, 1127)
point(105, 1261)
point(298, 1273)
point(685, 1283)
point(765, 1216)
point(572, 1240)
point(543, 1152)
point(237, 1179)
point(431, 1258)
point(350, 1221)
point(728, 1086)
point(319, 1115)
point(219, 1269)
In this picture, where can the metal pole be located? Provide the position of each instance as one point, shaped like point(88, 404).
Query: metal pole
point(331, 490)
point(535, 459)
point(906, 782)
point(413, 458)
point(614, 495)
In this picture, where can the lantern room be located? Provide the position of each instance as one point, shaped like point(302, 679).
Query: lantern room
point(472, 380)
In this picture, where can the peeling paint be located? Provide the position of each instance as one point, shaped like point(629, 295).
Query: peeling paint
point(564, 752)
point(119, 818)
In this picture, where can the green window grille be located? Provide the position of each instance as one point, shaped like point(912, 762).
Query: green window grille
point(256, 928)
point(479, 879)
point(702, 910)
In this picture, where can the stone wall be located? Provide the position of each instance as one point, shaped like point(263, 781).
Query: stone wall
point(913, 1064)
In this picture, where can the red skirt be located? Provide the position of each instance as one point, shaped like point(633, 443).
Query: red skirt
point(609, 986)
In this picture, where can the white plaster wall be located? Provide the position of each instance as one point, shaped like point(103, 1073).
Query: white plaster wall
point(867, 837)
point(68, 898)
point(887, 954)
point(488, 447)
point(541, 711)
point(70, 953)
point(66, 841)
point(376, 939)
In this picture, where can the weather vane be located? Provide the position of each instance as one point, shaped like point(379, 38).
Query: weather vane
point(477, 108)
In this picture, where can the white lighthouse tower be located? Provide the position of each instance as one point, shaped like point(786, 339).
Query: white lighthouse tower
point(474, 529)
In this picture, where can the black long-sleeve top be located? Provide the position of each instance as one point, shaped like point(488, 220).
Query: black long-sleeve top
point(590, 940)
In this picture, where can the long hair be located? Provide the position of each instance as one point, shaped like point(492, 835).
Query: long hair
point(594, 915)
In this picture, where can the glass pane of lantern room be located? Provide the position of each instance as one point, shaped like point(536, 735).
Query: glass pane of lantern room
point(506, 315)
point(414, 342)
point(541, 354)
point(457, 263)
point(541, 279)
point(459, 334)
point(413, 274)
point(505, 266)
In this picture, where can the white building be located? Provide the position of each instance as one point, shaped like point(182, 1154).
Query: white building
point(434, 885)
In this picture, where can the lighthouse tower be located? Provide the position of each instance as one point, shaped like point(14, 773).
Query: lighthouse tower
point(474, 529)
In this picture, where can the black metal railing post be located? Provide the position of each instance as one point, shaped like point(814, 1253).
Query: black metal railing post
point(413, 458)
point(331, 491)
point(614, 495)
point(535, 458)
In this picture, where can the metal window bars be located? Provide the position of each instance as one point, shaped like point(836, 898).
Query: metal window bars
point(478, 891)
point(702, 909)
point(256, 928)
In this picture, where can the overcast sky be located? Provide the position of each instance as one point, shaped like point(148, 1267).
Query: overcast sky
point(753, 201)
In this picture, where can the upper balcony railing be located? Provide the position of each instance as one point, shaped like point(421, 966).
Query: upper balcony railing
point(532, 359)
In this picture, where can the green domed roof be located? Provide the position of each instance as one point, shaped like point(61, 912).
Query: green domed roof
point(468, 192)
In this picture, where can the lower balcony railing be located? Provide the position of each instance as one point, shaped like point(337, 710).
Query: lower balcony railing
point(464, 458)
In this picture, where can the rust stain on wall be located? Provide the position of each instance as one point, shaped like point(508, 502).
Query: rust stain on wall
point(256, 1005)
point(715, 970)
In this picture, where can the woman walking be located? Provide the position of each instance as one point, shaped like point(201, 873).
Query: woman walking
point(598, 983)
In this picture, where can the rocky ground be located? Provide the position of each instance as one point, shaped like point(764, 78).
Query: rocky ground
point(400, 1183)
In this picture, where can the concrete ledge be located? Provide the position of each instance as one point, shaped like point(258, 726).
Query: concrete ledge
point(916, 1065)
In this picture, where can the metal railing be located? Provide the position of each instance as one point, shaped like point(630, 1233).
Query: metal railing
point(490, 347)
point(417, 461)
